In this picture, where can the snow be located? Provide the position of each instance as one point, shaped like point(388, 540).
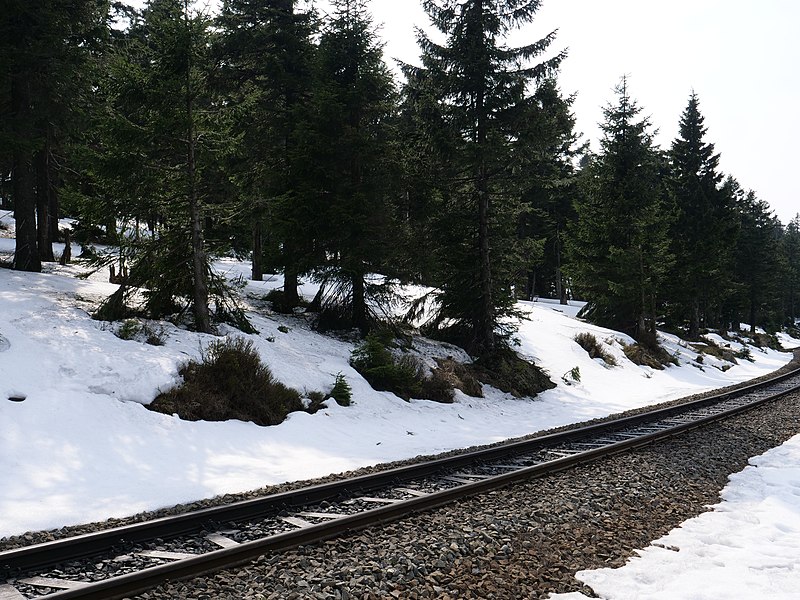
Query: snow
point(81, 447)
point(748, 546)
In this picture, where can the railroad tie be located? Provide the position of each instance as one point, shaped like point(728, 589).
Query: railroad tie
point(164, 555)
point(221, 540)
point(9, 592)
point(52, 582)
point(297, 522)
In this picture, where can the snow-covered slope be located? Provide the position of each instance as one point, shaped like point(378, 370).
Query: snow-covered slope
point(81, 446)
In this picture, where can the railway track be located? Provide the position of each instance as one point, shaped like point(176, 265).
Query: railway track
point(124, 561)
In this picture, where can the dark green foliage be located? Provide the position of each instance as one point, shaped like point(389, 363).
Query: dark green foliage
point(156, 155)
point(619, 248)
point(132, 329)
point(404, 376)
point(791, 281)
point(507, 371)
point(266, 78)
point(349, 165)
point(128, 330)
point(341, 391)
point(573, 375)
point(378, 366)
point(230, 382)
point(45, 50)
point(550, 186)
point(704, 229)
point(471, 106)
point(595, 350)
point(757, 264)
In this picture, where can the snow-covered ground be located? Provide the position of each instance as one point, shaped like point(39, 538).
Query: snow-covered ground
point(81, 447)
point(747, 547)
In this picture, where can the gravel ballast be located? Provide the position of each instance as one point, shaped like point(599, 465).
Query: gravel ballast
point(523, 541)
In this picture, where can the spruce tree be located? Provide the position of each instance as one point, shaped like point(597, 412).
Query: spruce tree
point(549, 184)
point(704, 225)
point(159, 139)
point(757, 264)
point(791, 254)
point(44, 46)
point(266, 54)
point(348, 166)
point(482, 86)
point(620, 246)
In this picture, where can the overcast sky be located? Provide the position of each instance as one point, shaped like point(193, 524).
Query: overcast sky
point(741, 57)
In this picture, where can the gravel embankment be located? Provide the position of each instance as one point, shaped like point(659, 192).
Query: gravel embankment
point(520, 542)
point(36, 537)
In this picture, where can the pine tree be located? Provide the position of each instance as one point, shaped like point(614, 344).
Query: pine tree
point(267, 55)
point(159, 144)
point(549, 181)
point(482, 87)
point(703, 229)
point(349, 166)
point(757, 266)
point(44, 46)
point(620, 246)
point(791, 254)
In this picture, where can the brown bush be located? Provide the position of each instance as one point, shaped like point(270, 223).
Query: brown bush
point(230, 382)
point(588, 342)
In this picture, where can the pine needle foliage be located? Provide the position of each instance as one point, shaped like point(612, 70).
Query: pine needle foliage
point(479, 87)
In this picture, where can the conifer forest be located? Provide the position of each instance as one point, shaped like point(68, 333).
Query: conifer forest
point(271, 132)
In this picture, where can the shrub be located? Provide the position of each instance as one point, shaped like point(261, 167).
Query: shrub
point(316, 401)
point(132, 329)
point(458, 376)
point(574, 374)
point(404, 376)
point(654, 357)
point(377, 365)
point(230, 382)
point(278, 300)
point(341, 391)
point(769, 340)
point(595, 349)
point(437, 387)
point(129, 329)
point(505, 370)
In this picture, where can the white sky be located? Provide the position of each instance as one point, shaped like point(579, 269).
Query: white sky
point(739, 56)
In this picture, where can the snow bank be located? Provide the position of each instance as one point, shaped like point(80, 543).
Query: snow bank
point(81, 447)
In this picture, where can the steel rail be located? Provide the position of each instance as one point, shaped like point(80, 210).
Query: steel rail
point(50, 553)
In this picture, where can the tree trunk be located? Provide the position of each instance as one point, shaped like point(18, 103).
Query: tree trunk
point(258, 251)
point(485, 329)
point(561, 290)
point(359, 303)
point(66, 256)
point(199, 261)
point(291, 296)
point(44, 222)
point(694, 319)
point(26, 253)
point(531, 287)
